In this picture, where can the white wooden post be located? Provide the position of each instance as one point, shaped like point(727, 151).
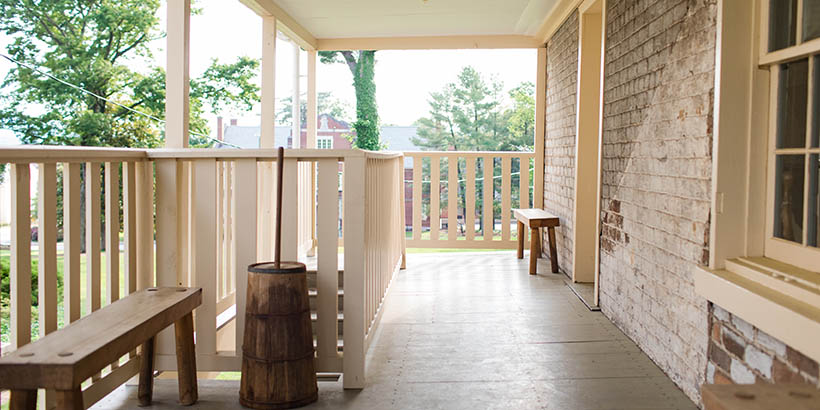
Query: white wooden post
point(290, 210)
point(296, 112)
point(203, 252)
point(327, 271)
point(177, 78)
point(540, 127)
point(312, 106)
point(112, 231)
point(129, 217)
point(145, 223)
point(267, 139)
point(168, 260)
point(354, 268)
point(92, 236)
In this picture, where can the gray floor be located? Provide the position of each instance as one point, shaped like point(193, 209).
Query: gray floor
point(475, 331)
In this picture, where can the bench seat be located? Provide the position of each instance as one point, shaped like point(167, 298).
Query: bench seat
point(62, 360)
point(535, 219)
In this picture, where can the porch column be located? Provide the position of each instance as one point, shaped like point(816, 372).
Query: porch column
point(311, 99)
point(267, 139)
point(296, 112)
point(177, 76)
point(540, 127)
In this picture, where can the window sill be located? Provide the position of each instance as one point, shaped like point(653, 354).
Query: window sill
point(780, 299)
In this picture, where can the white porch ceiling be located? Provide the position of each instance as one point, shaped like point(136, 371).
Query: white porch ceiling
point(412, 18)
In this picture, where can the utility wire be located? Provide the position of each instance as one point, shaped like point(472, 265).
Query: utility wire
point(76, 87)
point(444, 181)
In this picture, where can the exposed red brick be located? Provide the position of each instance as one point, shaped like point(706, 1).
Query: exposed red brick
point(782, 373)
point(715, 331)
point(734, 344)
point(802, 362)
point(719, 357)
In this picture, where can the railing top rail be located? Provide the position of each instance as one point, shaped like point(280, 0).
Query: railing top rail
point(50, 154)
point(476, 154)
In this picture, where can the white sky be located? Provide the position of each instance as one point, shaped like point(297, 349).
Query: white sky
point(404, 79)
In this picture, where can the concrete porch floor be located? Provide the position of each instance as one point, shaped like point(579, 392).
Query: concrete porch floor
point(475, 331)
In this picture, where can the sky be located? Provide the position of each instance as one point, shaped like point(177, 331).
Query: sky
point(226, 30)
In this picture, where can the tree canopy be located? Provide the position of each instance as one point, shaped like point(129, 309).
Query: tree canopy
point(88, 45)
point(468, 114)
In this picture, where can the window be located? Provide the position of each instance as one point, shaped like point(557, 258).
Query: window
point(324, 142)
point(793, 58)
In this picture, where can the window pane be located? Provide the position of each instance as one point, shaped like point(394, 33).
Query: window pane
point(811, 19)
point(788, 197)
point(814, 200)
point(782, 23)
point(791, 104)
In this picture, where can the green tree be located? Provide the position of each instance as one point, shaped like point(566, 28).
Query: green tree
point(326, 104)
point(86, 45)
point(362, 65)
point(521, 121)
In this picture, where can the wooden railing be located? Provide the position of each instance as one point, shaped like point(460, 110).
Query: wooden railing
point(195, 217)
point(488, 185)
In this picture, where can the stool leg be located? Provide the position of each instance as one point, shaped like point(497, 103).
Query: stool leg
point(146, 386)
point(535, 249)
point(70, 399)
point(553, 251)
point(186, 359)
point(522, 233)
point(23, 400)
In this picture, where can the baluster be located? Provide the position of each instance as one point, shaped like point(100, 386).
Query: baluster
point(92, 236)
point(20, 255)
point(327, 266)
point(47, 248)
point(435, 191)
point(506, 195)
point(290, 210)
point(418, 166)
point(169, 189)
point(488, 199)
point(469, 199)
point(220, 232)
point(145, 223)
point(230, 271)
point(129, 217)
point(72, 241)
point(452, 198)
point(524, 182)
point(245, 226)
point(112, 230)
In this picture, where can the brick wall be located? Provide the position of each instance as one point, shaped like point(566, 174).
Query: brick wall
point(559, 145)
point(741, 353)
point(656, 176)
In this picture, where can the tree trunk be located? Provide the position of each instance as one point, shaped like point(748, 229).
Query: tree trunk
point(367, 114)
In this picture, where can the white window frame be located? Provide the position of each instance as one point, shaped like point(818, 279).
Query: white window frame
point(798, 254)
point(321, 139)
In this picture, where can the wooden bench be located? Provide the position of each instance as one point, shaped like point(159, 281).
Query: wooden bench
point(64, 359)
point(536, 219)
point(760, 396)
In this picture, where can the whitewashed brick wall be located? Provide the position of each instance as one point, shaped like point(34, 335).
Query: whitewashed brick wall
point(658, 104)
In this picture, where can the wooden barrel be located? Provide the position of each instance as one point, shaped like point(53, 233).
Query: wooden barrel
point(277, 354)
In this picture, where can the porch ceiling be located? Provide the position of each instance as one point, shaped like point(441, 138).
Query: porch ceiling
point(326, 19)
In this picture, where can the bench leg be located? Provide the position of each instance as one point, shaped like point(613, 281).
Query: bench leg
point(70, 399)
point(535, 249)
point(23, 400)
point(146, 386)
point(553, 251)
point(522, 233)
point(186, 359)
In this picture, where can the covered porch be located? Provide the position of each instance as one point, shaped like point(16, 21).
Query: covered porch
point(475, 330)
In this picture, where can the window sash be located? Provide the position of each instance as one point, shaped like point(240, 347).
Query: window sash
point(798, 254)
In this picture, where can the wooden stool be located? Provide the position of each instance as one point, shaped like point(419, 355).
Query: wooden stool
point(62, 360)
point(536, 219)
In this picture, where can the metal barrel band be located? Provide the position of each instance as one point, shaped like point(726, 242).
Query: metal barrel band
point(246, 355)
point(301, 312)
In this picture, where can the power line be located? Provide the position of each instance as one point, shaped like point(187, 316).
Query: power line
point(444, 181)
point(78, 88)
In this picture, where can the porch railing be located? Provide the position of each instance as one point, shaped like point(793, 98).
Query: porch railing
point(464, 199)
point(198, 217)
